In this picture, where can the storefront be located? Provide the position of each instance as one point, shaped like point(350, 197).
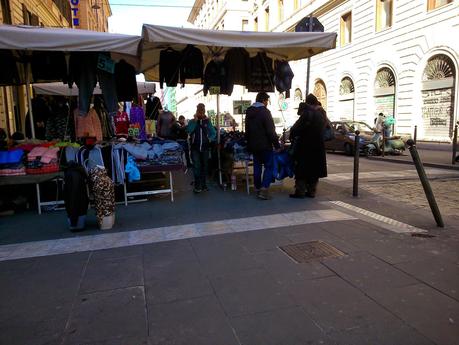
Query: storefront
point(438, 90)
point(384, 92)
point(346, 99)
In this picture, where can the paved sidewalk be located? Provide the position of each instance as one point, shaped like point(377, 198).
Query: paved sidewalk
point(210, 270)
point(240, 288)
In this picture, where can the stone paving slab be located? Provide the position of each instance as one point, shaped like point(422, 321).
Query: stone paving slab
point(426, 309)
point(193, 321)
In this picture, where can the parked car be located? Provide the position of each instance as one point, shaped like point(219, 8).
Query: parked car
point(345, 136)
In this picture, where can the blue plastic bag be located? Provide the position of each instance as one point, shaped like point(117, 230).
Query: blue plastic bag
point(132, 170)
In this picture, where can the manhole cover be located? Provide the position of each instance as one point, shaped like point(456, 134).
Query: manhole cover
point(308, 251)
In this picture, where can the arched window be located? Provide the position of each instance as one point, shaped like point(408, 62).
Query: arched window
point(346, 99)
point(384, 92)
point(320, 91)
point(438, 92)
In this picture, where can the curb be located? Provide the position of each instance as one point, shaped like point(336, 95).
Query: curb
point(407, 162)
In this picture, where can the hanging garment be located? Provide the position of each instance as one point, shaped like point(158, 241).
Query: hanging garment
point(60, 124)
point(126, 84)
point(88, 126)
point(169, 66)
point(104, 194)
point(137, 123)
point(121, 123)
point(9, 74)
point(48, 66)
point(261, 74)
point(152, 108)
point(83, 71)
point(75, 193)
point(192, 65)
point(237, 61)
point(216, 76)
point(283, 76)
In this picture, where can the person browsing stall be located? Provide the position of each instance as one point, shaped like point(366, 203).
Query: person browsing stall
point(261, 139)
point(202, 133)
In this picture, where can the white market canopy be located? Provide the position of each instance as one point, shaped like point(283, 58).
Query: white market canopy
point(33, 38)
point(60, 89)
point(280, 45)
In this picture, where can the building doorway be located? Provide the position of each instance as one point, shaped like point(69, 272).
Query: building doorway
point(320, 91)
point(384, 92)
point(346, 99)
point(438, 92)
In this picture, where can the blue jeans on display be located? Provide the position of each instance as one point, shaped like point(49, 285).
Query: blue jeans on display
point(260, 159)
point(108, 87)
point(200, 167)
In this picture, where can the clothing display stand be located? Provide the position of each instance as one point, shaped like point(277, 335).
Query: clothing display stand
point(154, 169)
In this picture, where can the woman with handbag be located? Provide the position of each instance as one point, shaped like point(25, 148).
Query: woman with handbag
point(310, 161)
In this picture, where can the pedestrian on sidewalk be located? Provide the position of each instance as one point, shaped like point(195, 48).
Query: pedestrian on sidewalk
point(261, 137)
point(310, 161)
point(182, 138)
point(202, 133)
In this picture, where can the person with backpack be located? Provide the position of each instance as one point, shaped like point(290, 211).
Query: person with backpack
point(202, 133)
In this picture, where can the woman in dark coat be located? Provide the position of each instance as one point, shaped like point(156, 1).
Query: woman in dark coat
point(309, 156)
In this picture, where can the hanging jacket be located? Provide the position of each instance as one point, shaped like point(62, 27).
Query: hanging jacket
point(49, 66)
point(152, 108)
point(88, 126)
point(137, 121)
point(192, 65)
point(237, 61)
point(75, 192)
point(126, 84)
point(261, 74)
point(216, 75)
point(169, 66)
point(283, 76)
point(202, 132)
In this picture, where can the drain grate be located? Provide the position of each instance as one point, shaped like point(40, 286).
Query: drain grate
point(308, 251)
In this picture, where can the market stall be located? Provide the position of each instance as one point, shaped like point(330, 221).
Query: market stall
point(252, 59)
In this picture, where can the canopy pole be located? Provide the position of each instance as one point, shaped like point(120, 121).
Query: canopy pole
point(29, 100)
point(218, 141)
point(308, 71)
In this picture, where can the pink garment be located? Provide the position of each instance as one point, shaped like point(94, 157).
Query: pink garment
point(89, 125)
point(50, 155)
point(36, 152)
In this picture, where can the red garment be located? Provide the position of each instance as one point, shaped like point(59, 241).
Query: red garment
point(121, 123)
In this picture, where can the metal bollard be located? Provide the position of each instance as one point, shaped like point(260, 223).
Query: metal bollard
point(355, 184)
point(415, 136)
point(453, 158)
point(425, 183)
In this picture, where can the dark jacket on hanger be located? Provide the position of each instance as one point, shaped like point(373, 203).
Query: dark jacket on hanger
point(192, 66)
point(49, 66)
point(237, 61)
point(261, 74)
point(75, 193)
point(152, 108)
point(216, 75)
point(126, 84)
point(169, 66)
point(283, 76)
point(9, 72)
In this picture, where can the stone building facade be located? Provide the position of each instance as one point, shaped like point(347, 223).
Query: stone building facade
point(396, 57)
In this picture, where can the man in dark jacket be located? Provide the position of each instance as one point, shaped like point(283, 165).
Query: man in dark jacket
point(309, 155)
point(261, 137)
point(202, 133)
